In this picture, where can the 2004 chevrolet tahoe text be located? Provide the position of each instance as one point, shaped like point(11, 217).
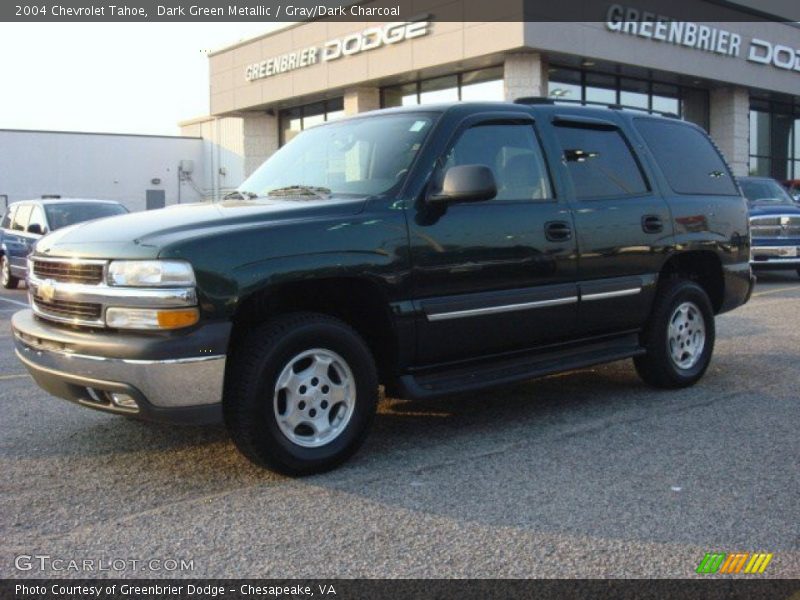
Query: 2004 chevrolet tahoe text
point(432, 250)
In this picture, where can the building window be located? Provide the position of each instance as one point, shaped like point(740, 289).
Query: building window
point(481, 85)
point(487, 84)
point(442, 89)
point(666, 98)
point(774, 139)
point(294, 120)
point(600, 89)
point(589, 87)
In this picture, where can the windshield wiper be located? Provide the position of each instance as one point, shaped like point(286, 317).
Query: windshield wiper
point(300, 190)
point(240, 194)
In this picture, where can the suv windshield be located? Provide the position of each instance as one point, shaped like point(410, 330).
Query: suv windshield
point(765, 191)
point(61, 215)
point(359, 157)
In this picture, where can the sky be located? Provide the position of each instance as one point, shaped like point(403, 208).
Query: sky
point(110, 77)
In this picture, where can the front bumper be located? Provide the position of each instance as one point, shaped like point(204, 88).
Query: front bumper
point(172, 378)
point(783, 256)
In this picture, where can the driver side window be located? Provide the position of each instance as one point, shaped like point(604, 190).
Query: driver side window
point(513, 154)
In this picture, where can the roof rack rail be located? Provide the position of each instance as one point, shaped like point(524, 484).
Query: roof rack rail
point(533, 100)
point(660, 113)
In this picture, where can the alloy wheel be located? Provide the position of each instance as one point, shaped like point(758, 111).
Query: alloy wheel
point(686, 337)
point(314, 398)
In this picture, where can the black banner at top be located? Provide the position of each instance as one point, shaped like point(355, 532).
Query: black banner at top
point(392, 10)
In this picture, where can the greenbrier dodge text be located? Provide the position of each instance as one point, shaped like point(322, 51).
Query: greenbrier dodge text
point(202, 591)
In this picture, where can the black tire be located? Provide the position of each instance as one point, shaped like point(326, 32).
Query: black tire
point(253, 370)
point(658, 367)
point(7, 280)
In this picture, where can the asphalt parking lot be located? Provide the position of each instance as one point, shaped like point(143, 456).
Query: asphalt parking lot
point(587, 474)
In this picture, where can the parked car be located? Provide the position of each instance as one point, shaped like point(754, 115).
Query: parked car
point(434, 250)
point(27, 221)
point(774, 224)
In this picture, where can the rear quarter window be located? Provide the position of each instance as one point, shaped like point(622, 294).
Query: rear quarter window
point(688, 159)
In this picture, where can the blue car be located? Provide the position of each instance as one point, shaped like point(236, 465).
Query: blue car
point(774, 224)
point(28, 220)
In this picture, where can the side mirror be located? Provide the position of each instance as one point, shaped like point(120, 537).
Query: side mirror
point(466, 183)
point(35, 229)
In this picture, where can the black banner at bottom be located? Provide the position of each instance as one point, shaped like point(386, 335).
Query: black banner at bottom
point(438, 589)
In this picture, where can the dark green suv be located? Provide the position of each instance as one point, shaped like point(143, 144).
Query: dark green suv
point(432, 250)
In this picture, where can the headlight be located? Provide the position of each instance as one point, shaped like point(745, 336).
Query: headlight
point(150, 273)
point(146, 318)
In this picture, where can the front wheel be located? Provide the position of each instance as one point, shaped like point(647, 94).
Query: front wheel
point(8, 281)
point(679, 339)
point(301, 393)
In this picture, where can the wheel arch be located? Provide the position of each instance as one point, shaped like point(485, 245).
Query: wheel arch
point(704, 267)
point(360, 302)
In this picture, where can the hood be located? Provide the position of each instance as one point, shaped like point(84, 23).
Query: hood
point(765, 210)
point(144, 234)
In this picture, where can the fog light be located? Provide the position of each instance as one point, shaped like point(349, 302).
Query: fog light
point(123, 400)
point(145, 318)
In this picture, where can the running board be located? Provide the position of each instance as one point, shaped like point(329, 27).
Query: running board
point(477, 376)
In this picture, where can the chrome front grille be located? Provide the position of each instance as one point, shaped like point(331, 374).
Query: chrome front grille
point(56, 284)
point(69, 271)
point(65, 309)
point(775, 226)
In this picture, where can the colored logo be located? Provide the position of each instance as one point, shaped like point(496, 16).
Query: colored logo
point(737, 562)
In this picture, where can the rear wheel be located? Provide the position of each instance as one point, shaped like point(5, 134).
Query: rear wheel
point(301, 393)
point(679, 338)
point(8, 281)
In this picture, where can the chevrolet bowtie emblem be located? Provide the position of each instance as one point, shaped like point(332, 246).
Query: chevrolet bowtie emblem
point(47, 290)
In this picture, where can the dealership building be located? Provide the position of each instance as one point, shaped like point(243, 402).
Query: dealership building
point(738, 79)
point(737, 76)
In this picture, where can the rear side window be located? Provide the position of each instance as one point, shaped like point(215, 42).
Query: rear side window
point(21, 217)
point(688, 159)
point(600, 162)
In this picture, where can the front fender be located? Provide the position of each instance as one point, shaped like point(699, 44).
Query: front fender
point(234, 265)
point(257, 277)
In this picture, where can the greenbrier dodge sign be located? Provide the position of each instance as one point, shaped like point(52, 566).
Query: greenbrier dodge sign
point(368, 39)
point(631, 21)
